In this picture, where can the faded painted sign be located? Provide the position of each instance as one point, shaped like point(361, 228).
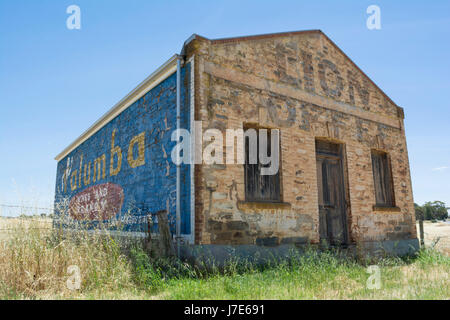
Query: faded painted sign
point(100, 202)
point(125, 168)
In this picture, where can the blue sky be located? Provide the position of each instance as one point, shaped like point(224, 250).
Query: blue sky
point(55, 82)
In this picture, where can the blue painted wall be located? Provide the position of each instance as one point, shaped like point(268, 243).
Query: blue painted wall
point(149, 187)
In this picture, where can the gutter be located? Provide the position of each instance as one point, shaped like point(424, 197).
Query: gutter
point(178, 204)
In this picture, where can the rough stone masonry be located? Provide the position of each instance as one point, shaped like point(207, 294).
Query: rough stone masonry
point(304, 85)
point(344, 160)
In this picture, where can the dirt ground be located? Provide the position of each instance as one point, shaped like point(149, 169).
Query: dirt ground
point(437, 234)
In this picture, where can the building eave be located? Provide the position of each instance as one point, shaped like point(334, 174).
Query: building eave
point(162, 73)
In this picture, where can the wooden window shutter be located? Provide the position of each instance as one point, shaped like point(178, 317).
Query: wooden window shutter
point(382, 176)
point(261, 188)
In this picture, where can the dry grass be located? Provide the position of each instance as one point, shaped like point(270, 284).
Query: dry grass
point(34, 263)
point(9, 226)
point(437, 235)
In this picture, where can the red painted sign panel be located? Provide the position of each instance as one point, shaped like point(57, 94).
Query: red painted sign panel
point(98, 203)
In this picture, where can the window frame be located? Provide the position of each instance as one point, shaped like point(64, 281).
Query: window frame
point(248, 197)
point(385, 168)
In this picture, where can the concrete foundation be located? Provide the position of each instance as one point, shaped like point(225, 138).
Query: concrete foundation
point(220, 255)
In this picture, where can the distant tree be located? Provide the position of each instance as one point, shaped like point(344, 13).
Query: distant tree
point(419, 211)
point(435, 210)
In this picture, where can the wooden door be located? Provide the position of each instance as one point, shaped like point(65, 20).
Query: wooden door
point(332, 196)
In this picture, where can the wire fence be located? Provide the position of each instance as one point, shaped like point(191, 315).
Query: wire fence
point(12, 210)
point(31, 212)
point(28, 217)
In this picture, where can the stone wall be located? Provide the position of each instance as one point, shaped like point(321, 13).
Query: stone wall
point(305, 86)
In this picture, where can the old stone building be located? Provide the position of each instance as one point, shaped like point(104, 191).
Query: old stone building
point(344, 174)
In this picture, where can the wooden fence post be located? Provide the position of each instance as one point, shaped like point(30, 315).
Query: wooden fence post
point(149, 227)
point(166, 242)
point(422, 237)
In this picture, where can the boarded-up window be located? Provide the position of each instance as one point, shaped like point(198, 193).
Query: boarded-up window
point(382, 176)
point(258, 187)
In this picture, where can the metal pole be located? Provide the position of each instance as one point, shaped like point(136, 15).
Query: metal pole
point(178, 226)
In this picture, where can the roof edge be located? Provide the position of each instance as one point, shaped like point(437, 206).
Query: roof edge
point(359, 69)
point(159, 75)
point(264, 36)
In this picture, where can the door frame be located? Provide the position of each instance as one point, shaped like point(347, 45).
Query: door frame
point(341, 156)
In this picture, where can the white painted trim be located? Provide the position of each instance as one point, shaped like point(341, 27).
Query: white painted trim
point(192, 117)
point(161, 74)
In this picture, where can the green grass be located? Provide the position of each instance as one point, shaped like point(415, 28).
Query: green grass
point(315, 276)
point(33, 265)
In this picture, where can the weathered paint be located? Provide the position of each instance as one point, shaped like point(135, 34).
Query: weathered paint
point(100, 202)
point(125, 169)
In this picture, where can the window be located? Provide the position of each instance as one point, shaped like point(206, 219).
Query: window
point(259, 187)
point(382, 176)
